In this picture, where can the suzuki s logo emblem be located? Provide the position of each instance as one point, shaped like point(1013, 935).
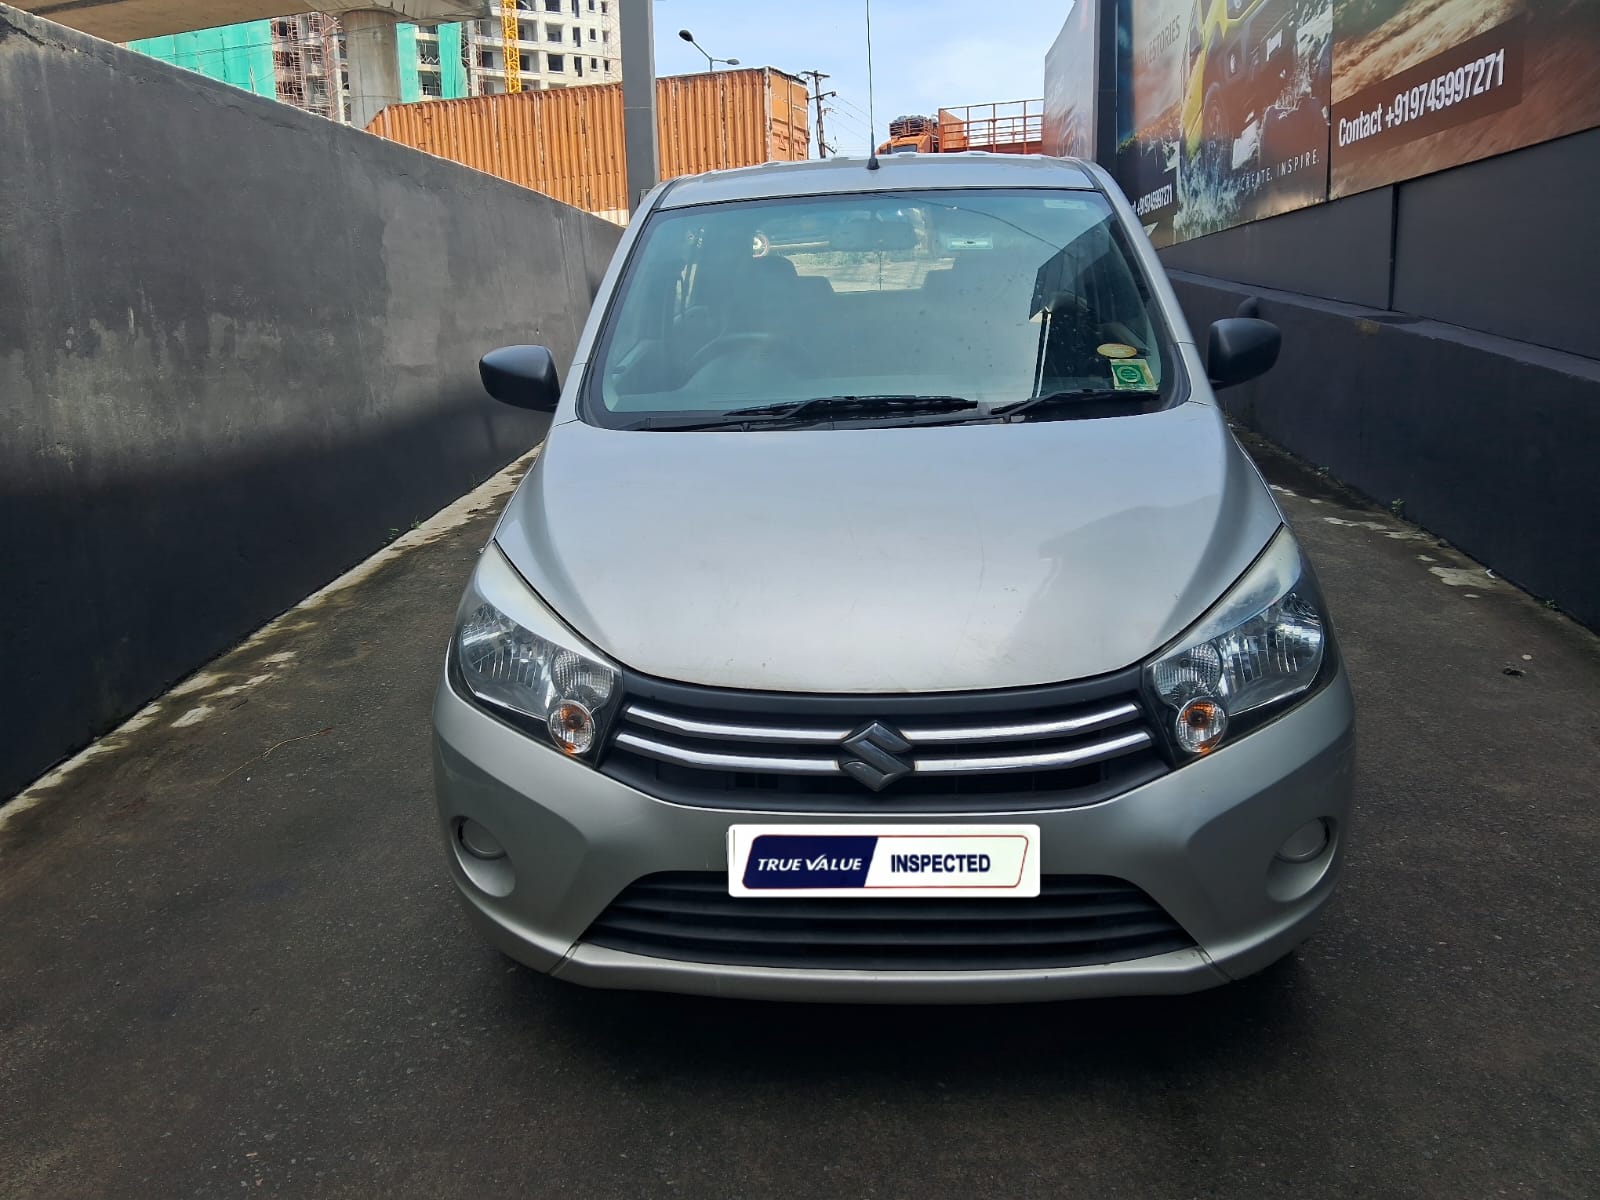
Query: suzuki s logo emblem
point(874, 756)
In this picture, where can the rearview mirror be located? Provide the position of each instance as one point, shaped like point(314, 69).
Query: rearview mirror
point(522, 376)
point(1240, 349)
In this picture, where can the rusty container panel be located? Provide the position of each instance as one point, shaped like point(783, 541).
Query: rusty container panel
point(568, 142)
point(788, 120)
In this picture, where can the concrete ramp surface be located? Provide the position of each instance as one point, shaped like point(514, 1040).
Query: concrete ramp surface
point(233, 960)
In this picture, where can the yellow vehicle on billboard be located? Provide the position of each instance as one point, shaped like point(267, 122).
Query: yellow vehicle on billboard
point(1241, 62)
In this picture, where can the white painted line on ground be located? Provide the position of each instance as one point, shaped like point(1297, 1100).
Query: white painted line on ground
point(194, 716)
point(1388, 531)
point(1462, 577)
point(451, 517)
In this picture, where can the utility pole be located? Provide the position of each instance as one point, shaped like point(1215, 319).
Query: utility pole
point(816, 78)
point(639, 99)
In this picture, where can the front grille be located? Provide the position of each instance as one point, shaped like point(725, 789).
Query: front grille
point(1076, 921)
point(1017, 751)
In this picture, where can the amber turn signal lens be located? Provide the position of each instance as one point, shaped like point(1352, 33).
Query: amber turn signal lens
point(572, 727)
point(1201, 725)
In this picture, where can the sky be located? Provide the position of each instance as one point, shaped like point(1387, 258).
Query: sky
point(927, 54)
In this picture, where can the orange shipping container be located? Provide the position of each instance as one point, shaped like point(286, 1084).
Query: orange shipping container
point(567, 142)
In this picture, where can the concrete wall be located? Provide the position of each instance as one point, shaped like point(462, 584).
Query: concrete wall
point(1441, 348)
point(238, 347)
point(1487, 442)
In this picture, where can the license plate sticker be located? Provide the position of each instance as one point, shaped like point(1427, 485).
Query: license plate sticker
point(898, 860)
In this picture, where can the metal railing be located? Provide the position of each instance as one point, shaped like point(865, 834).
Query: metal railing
point(1005, 127)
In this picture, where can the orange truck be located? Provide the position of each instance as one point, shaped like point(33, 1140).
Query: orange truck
point(912, 135)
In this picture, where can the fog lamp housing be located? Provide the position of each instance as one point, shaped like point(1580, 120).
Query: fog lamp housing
point(1305, 843)
point(478, 841)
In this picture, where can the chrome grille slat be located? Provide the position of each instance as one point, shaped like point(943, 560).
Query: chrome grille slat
point(1027, 749)
point(667, 752)
point(730, 732)
point(1025, 731)
point(1043, 761)
point(971, 765)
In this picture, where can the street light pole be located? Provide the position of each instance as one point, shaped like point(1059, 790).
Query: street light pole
point(711, 63)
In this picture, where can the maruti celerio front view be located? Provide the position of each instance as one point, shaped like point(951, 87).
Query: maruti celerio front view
point(890, 614)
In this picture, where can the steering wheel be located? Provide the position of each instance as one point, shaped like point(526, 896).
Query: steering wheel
point(754, 340)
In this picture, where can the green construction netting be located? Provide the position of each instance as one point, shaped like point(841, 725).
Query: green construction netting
point(452, 75)
point(237, 54)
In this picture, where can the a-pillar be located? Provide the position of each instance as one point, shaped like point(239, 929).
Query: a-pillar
point(372, 58)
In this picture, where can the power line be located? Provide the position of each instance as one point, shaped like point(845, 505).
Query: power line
point(850, 125)
point(855, 108)
point(847, 118)
point(850, 114)
point(819, 96)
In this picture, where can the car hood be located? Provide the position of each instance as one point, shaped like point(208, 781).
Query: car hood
point(917, 559)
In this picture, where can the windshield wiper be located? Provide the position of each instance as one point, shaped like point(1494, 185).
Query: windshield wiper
point(1087, 402)
point(823, 408)
point(852, 406)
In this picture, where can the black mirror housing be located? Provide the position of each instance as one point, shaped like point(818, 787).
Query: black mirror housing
point(522, 376)
point(1241, 349)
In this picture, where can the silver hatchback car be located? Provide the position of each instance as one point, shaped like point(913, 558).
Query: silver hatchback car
point(890, 615)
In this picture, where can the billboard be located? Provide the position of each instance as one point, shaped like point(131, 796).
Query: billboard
point(1222, 110)
point(1422, 85)
point(1072, 83)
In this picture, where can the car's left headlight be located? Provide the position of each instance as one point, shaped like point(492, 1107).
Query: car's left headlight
point(516, 657)
point(1260, 645)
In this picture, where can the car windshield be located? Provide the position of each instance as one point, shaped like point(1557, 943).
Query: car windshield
point(987, 296)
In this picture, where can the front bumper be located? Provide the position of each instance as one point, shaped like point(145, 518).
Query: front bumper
point(1200, 840)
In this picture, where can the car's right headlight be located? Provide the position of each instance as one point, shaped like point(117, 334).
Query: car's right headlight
point(516, 657)
point(1260, 645)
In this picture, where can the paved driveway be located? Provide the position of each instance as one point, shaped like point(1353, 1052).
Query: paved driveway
point(232, 965)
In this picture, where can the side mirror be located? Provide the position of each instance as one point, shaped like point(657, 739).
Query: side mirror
point(1240, 349)
point(522, 376)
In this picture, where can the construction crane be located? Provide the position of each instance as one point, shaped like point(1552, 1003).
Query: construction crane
point(512, 52)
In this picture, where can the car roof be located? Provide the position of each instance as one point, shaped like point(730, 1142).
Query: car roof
point(896, 172)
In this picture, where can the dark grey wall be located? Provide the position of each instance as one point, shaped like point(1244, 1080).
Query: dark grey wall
point(1338, 251)
point(1460, 373)
point(1504, 246)
point(1508, 245)
point(1489, 443)
point(238, 345)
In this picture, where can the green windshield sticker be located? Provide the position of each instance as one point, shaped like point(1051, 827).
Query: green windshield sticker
point(1132, 375)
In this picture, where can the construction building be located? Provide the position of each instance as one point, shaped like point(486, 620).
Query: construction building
point(301, 60)
point(559, 43)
